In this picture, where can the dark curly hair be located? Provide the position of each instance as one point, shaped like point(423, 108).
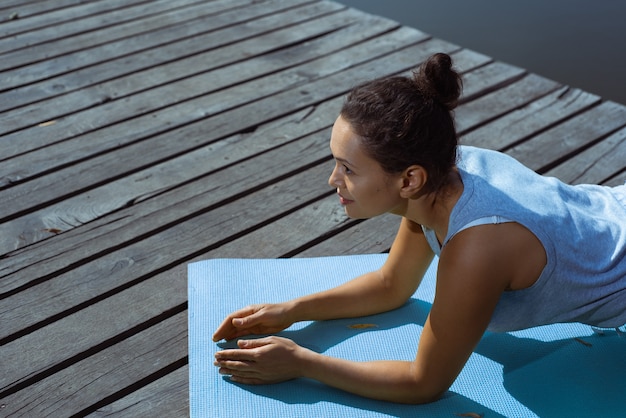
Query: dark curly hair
point(404, 121)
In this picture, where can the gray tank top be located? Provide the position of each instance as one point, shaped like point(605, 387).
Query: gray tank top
point(582, 229)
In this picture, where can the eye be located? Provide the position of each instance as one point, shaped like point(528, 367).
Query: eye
point(347, 169)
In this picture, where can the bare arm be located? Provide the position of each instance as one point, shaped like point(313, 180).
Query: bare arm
point(475, 268)
point(378, 291)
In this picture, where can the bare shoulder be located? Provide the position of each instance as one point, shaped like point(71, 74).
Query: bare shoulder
point(475, 268)
point(507, 254)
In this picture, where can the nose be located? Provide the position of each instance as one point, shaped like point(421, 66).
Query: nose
point(334, 179)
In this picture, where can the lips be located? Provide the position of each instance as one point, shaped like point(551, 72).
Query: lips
point(343, 200)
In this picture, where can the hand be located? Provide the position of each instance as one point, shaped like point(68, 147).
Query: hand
point(254, 319)
point(261, 361)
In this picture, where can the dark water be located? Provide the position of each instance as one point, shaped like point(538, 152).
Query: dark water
point(581, 43)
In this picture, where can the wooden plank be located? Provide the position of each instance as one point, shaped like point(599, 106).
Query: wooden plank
point(168, 395)
point(69, 21)
point(73, 291)
point(295, 230)
point(123, 224)
point(95, 47)
point(371, 236)
point(139, 187)
point(502, 101)
point(556, 145)
point(89, 33)
point(328, 80)
point(520, 124)
point(618, 180)
point(199, 70)
point(597, 164)
point(488, 79)
point(216, 79)
point(74, 389)
point(133, 223)
point(177, 58)
point(29, 14)
point(328, 232)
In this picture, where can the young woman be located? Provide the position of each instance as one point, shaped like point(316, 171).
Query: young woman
point(516, 249)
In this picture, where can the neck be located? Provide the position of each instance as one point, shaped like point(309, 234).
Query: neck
point(433, 209)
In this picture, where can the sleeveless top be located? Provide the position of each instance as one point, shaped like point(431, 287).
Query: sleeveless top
point(582, 229)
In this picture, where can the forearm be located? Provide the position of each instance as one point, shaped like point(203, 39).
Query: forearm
point(365, 295)
point(394, 381)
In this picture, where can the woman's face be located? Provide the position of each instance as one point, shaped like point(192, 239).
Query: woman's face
point(365, 190)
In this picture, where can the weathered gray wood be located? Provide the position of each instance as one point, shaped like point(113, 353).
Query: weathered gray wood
point(529, 120)
point(500, 102)
point(80, 385)
point(137, 38)
point(548, 149)
point(292, 231)
point(488, 79)
point(240, 179)
point(178, 58)
point(113, 272)
point(26, 10)
point(292, 89)
point(94, 45)
point(72, 21)
point(124, 224)
point(371, 236)
point(135, 188)
point(168, 395)
point(90, 209)
point(204, 71)
point(596, 164)
point(617, 180)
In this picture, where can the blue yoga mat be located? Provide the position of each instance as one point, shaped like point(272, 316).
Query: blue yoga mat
point(563, 370)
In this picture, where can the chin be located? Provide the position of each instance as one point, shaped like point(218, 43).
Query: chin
point(356, 215)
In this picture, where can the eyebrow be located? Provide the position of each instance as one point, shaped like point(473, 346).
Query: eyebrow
point(342, 160)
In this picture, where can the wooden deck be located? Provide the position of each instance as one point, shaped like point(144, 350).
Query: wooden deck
point(137, 136)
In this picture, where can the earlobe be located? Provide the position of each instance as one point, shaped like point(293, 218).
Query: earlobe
point(413, 181)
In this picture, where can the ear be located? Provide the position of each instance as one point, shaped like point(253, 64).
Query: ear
point(414, 179)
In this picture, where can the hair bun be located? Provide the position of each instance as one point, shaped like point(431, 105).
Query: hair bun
point(437, 80)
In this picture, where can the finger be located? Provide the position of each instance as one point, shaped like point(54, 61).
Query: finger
point(235, 355)
point(232, 366)
point(248, 377)
point(226, 330)
point(247, 380)
point(249, 320)
point(254, 343)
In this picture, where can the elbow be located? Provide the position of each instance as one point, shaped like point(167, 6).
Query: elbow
point(422, 390)
point(422, 395)
point(395, 296)
point(428, 397)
